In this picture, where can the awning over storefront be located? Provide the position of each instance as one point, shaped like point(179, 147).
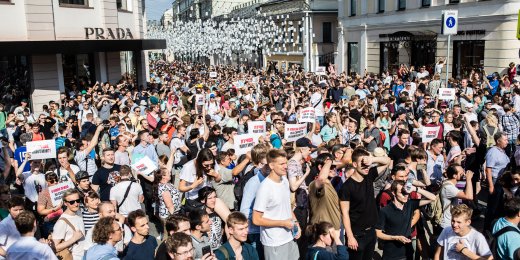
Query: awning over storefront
point(410, 36)
point(77, 46)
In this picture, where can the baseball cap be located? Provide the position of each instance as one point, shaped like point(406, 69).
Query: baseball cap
point(82, 175)
point(384, 109)
point(304, 142)
point(24, 100)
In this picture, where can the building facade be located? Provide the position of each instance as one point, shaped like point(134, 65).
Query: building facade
point(203, 9)
point(59, 43)
point(309, 30)
point(378, 35)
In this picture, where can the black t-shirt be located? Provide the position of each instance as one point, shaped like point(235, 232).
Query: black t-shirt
point(397, 153)
point(363, 211)
point(101, 178)
point(145, 250)
point(395, 222)
point(162, 252)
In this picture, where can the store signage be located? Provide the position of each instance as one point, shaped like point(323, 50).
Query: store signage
point(108, 33)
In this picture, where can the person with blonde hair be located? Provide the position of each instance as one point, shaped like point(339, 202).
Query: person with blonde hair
point(460, 240)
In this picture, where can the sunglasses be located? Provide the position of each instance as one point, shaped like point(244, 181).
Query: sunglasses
point(72, 202)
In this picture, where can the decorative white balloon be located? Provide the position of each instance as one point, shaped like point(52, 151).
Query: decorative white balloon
point(224, 38)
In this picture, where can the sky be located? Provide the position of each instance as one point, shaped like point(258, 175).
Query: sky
point(155, 8)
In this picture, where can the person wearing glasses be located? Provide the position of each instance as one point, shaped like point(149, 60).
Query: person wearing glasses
point(69, 230)
point(45, 207)
point(180, 247)
point(106, 234)
point(194, 174)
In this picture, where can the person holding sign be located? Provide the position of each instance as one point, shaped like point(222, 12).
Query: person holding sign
point(33, 181)
point(46, 207)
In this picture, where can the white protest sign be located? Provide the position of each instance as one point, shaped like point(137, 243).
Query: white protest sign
point(256, 127)
point(255, 80)
point(446, 94)
point(57, 191)
point(213, 74)
point(429, 133)
point(307, 115)
point(294, 132)
point(320, 70)
point(144, 166)
point(199, 98)
point(42, 149)
point(244, 143)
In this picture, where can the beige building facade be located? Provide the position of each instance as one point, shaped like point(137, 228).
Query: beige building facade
point(58, 43)
point(379, 35)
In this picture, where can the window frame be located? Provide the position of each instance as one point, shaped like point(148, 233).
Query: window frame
point(426, 3)
point(329, 40)
point(381, 3)
point(401, 5)
point(86, 4)
point(353, 7)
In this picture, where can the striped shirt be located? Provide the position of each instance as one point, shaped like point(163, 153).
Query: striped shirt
point(90, 219)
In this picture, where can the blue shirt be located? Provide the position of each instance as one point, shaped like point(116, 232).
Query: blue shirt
point(104, 251)
point(141, 151)
point(328, 133)
point(497, 160)
point(30, 248)
point(248, 199)
point(508, 242)
point(19, 156)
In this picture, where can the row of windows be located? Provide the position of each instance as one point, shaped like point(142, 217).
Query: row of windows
point(121, 4)
point(401, 5)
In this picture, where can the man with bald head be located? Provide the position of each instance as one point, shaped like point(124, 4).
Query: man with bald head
point(107, 209)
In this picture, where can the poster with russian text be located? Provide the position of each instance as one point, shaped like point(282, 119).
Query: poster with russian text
point(294, 132)
point(42, 149)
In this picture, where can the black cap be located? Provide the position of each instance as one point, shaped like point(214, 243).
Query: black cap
point(209, 144)
point(304, 142)
point(82, 175)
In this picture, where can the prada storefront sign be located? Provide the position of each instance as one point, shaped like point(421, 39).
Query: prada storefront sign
point(108, 33)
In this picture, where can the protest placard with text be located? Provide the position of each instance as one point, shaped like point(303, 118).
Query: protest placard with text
point(42, 149)
point(429, 133)
point(307, 115)
point(245, 142)
point(144, 166)
point(294, 132)
point(256, 127)
point(57, 191)
point(446, 93)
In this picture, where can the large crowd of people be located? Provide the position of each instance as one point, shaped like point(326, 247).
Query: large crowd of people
point(398, 164)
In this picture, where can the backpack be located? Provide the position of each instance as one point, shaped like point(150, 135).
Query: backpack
point(490, 140)
point(240, 184)
point(494, 241)
point(434, 210)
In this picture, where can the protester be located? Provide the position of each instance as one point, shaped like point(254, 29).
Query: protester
point(360, 127)
point(106, 234)
point(27, 247)
point(324, 235)
point(8, 231)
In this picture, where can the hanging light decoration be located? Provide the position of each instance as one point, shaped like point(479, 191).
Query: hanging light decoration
point(224, 38)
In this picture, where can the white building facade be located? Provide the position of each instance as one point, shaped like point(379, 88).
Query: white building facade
point(63, 42)
point(379, 35)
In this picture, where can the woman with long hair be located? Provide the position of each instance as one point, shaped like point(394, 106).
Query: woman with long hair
point(166, 197)
point(45, 208)
point(323, 235)
point(194, 174)
point(448, 123)
point(208, 197)
point(384, 123)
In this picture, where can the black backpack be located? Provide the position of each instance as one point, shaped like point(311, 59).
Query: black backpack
point(494, 241)
point(238, 190)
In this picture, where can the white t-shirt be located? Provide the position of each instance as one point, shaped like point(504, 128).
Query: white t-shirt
point(131, 202)
point(30, 182)
point(317, 102)
point(62, 231)
point(177, 143)
point(449, 197)
point(63, 175)
point(8, 233)
point(188, 174)
point(274, 200)
point(227, 145)
point(474, 241)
